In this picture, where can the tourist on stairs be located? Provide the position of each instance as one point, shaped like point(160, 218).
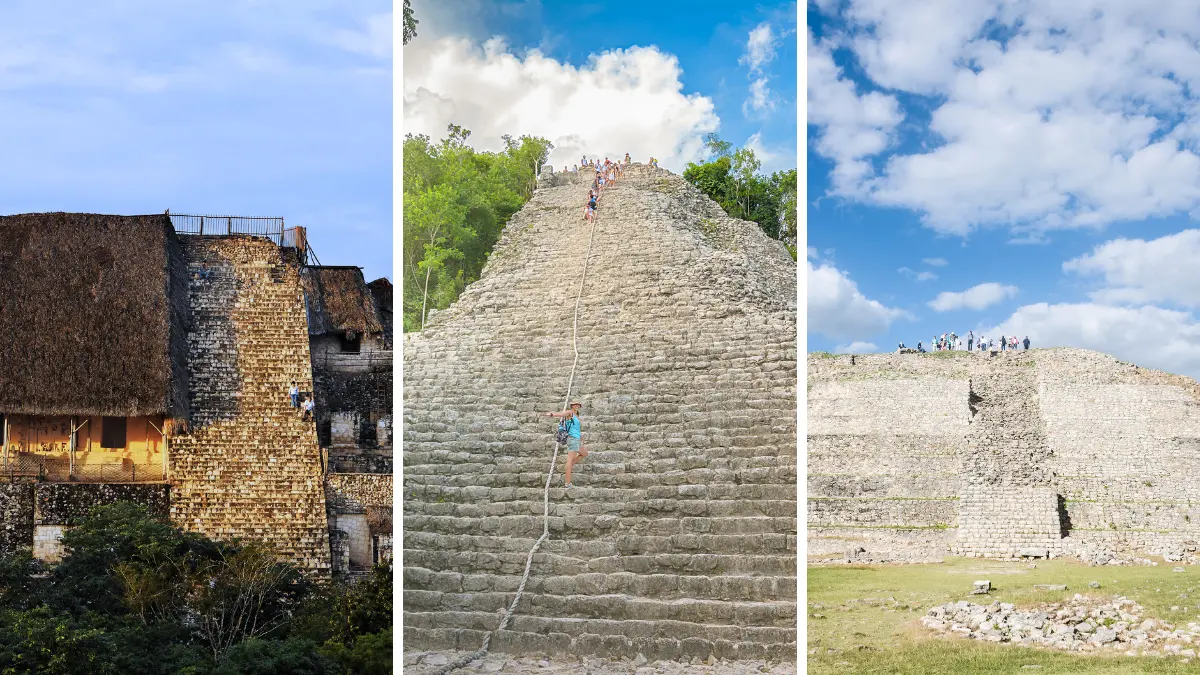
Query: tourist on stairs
point(571, 425)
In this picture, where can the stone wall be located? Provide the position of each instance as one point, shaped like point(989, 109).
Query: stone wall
point(678, 538)
point(68, 503)
point(16, 516)
point(250, 467)
point(915, 456)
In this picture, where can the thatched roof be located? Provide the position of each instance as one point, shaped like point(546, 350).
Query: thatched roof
point(339, 301)
point(93, 316)
point(381, 288)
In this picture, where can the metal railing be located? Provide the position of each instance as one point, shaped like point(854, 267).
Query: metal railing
point(267, 227)
point(55, 469)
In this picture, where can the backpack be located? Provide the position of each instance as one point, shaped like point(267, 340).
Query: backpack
point(560, 436)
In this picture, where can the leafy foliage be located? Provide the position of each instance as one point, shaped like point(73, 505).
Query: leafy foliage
point(410, 22)
point(134, 595)
point(731, 178)
point(456, 203)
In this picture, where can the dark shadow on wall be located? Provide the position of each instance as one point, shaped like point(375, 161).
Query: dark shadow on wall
point(214, 371)
point(1064, 517)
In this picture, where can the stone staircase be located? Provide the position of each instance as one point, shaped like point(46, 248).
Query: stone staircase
point(250, 467)
point(679, 537)
point(1008, 502)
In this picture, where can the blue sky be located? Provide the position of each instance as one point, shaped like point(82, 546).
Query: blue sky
point(232, 108)
point(998, 167)
point(637, 101)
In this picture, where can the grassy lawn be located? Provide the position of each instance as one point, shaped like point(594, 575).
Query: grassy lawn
point(865, 619)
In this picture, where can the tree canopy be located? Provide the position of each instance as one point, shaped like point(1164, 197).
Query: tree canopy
point(731, 177)
point(457, 201)
point(134, 595)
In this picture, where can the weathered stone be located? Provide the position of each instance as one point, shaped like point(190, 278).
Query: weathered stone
point(916, 455)
point(678, 537)
point(981, 588)
point(1034, 553)
point(1050, 587)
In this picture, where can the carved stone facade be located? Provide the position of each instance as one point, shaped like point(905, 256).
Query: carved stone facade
point(912, 457)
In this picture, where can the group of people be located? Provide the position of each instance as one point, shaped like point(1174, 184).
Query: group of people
point(952, 342)
point(300, 401)
point(607, 173)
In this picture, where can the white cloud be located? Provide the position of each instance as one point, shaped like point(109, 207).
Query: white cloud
point(760, 98)
point(935, 262)
point(919, 276)
point(1138, 271)
point(836, 308)
point(493, 92)
point(760, 50)
point(1150, 337)
point(976, 297)
point(852, 127)
point(1086, 114)
point(857, 348)
point(760, 47)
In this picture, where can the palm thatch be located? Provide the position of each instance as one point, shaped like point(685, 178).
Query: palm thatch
point(339, 302)
point(93, 316)
point(381, 288)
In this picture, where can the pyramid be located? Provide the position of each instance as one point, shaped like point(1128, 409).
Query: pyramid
point(678, 538)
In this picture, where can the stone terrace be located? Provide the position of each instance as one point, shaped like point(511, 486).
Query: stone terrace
point(913, 456)
point(679, 537)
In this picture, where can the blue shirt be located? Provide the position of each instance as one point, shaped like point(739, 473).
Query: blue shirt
point(572, 427)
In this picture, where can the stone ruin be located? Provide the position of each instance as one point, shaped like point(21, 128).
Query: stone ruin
point(678, 539)
point(207, 331)
point(1046, 452)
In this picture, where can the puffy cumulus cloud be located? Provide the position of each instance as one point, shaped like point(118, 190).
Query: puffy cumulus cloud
point(493, 92)
point(1136, 271)
point(852, 128)
point(976, 297)
point(1045, 115)
point(857, 348)
point(1150, 337)
point(838, 310)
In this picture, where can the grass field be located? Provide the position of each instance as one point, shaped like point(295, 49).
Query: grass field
point(865, 619)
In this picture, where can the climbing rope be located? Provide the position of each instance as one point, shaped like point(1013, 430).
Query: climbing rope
point(487, 640)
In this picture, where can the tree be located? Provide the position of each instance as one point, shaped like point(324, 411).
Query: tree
point(731, 178)
point(456, 203)
point(245, 593)
point(717, 147)
point(410, 22)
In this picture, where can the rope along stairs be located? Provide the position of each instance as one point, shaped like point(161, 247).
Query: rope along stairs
point(512, 608)
point(678, 541)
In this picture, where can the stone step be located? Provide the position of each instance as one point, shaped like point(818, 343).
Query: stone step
point(634, 509)
point(765, 475)
point(603, 606)
point(656, 640)
point(600, 526)
point(712, 492)
point(551, 560)
point(658, 586)
point(619, 544)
